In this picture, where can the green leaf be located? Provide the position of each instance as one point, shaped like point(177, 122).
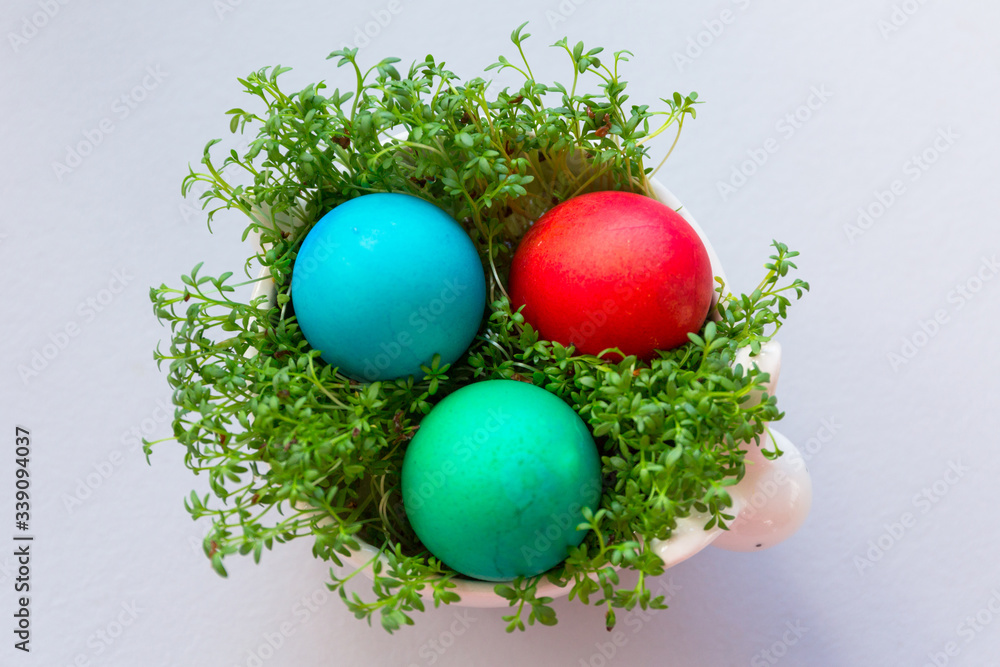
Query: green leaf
point(505, 592)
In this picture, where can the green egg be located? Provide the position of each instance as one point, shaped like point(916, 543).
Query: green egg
point(496, 477)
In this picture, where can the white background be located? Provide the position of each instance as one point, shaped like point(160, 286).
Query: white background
point(859, 591)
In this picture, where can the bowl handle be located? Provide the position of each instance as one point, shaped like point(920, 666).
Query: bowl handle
point(772, 500)
point(774, 497)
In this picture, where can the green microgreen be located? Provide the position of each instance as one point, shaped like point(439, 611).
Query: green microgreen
point(292, 449)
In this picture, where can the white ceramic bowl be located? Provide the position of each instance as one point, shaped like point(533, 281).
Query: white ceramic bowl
point(769, 504)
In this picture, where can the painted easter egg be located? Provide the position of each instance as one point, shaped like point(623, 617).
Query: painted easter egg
point(612, 270)
point(385, 281)
point(496, 477)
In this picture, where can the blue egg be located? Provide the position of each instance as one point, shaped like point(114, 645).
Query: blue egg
point(384, 282)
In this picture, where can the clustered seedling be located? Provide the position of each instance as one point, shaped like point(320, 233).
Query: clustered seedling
point(293, 449)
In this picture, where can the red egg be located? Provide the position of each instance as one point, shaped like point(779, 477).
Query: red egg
point(613, 269)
